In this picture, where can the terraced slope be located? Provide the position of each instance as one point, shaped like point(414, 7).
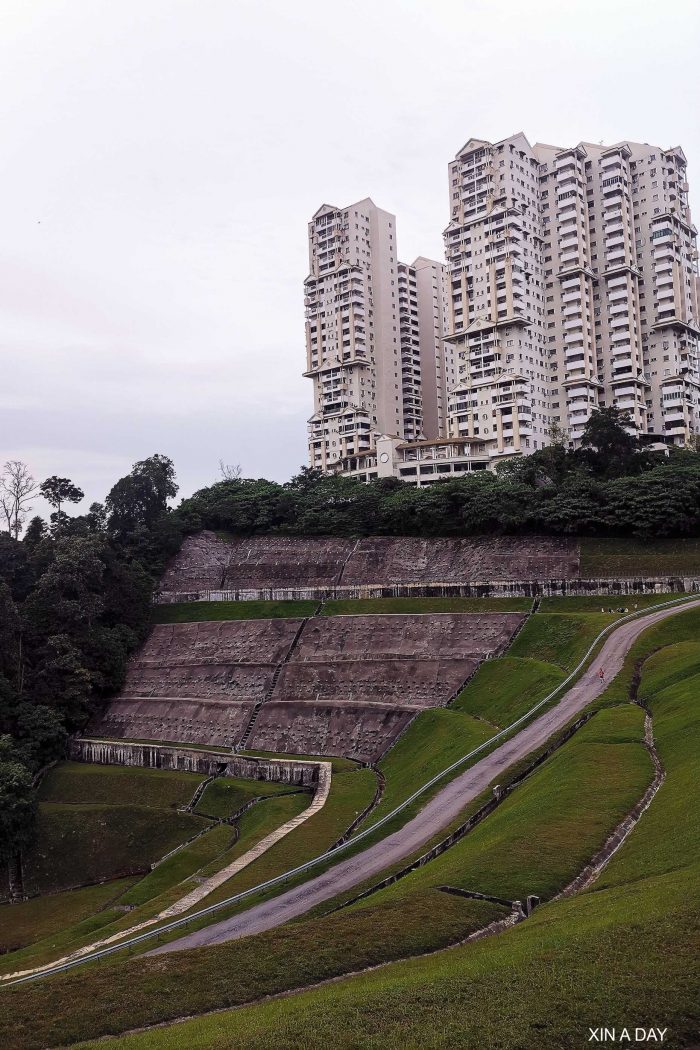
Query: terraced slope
point(340, 685)
point(637, 926)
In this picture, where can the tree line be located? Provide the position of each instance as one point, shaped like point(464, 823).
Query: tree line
point(75, 595)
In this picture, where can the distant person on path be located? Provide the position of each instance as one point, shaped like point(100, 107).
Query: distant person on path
point(601, 674)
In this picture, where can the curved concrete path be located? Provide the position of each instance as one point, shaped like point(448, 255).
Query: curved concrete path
point(440, 811)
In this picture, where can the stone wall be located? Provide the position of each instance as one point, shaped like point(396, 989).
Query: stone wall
point(260, 564)
point(340, 685)
point(356, 731)
point(158, 756)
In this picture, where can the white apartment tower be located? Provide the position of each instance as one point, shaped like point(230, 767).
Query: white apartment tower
point(573, 284)
point(374, 344)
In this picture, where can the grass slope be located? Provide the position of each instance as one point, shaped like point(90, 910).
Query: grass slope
point(350, 793)
point(624, 952)
point(605, 557)
point(502, 690)
point(226, 795)
point(420, 918)
point(193, 612)
point(546, 831)
point(29, 921)
point(81, 782)
point(434, 740)
point(81, 844)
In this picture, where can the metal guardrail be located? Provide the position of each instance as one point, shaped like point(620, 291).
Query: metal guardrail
point(279, 880)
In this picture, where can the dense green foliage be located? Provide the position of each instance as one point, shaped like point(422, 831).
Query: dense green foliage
point(74, 603)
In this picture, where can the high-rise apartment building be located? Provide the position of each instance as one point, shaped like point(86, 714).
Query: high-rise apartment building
point(374, 345)
point(571, 284)
point(573, 280)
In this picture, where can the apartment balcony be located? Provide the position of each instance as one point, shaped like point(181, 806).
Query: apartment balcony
point(619, 293)
point(572, 339)
point(569, 258)
point(619, 306)
point(613, 186)
point(573, 325)
point(573, 296)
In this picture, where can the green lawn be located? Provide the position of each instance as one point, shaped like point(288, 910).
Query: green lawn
point(604, 557)
point(432, 742)
point(192, 612)
point(370, 606)
point(226, 795)
point(81, 844)
point(81, 782)
point(28, 921)
point(502, 690)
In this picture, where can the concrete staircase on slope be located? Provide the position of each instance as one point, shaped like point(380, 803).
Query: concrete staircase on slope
point(242, 743)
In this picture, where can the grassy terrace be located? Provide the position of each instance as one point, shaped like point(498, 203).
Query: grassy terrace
point(226, 795)
point(370, 606)
point(638, 925)
point(602, 557)
point(191, 612)
point(194, 612)
point(81, 782)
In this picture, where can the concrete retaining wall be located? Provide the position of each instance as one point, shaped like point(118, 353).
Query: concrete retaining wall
point(610, 588)
point(158, 756)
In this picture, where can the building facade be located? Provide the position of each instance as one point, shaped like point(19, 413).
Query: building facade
point(570, 284)
point(374, 329)
point(573, 276)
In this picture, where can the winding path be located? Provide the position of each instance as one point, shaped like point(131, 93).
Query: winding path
point(440, 811)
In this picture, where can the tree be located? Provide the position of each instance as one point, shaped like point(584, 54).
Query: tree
point(230, 471)
point(137, 501)
point(57, 491)
point(607, 434)
point(17, 806)
point(17, 486)
point(40, 733)
point(35, 532)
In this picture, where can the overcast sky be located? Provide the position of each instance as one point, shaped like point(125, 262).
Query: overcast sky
point(161, 159)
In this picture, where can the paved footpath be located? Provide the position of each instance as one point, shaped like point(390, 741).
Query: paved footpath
point(437, 814)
